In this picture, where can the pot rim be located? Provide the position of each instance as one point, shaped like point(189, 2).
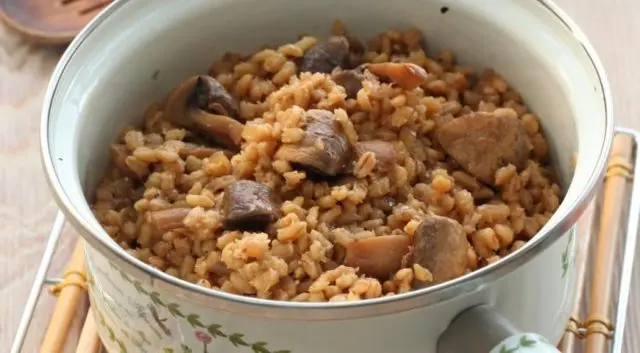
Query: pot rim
point(438, 293)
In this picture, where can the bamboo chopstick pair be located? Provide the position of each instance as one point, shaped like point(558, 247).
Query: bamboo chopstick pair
point(619, 172)
point(597, 329)
point(69, 292)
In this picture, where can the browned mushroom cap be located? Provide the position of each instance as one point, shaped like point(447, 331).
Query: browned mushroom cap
point(248, 205)
point(440, 245)
point(384, 151)
point(378, 257)
point(483, 142)
point(181, 109)
point(325, 56)
point(211, 96)
point(406, 75)
point(351, 80)
point(324, 149)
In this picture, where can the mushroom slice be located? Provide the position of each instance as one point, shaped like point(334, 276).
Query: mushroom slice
point(406, 75)
point(220, 128)
point(351, 80)
point(384, 151)
point(325, 56)
point(323, 150)
point(249, 205)
point(165, 220)
point(211, 96)
point(483, 142)
point(378, 257)
point(182, 108)
point(440, 245)
point(179, 103)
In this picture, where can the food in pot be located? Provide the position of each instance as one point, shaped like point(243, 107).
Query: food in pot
point(482, 143)
point(202, 104)
point(248, 205)
point(440, 245)
point(323, 171)
point(350, 80)
point(323, 148)
point(325, 56)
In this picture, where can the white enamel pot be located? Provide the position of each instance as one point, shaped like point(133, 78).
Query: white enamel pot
point(136, 51)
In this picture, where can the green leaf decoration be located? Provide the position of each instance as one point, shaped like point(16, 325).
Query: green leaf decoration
point(174, 310)
point(112, 335)
point(215, 331)
point(155, 298)
point(123, 348)
point(102, 322)
point(504, 349)
point(526, 342)
point(139, 288)
point(237, 340)
point(565, 256)
point(260, 347)
point(194, 321)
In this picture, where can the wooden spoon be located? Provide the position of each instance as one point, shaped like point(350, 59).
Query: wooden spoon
point(50, 21)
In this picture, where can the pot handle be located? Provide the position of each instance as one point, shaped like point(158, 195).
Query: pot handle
point(482, 329)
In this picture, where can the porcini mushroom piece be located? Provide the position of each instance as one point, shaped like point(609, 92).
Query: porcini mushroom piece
point(182, 108)
point(440, 245)
point(180, 102)
point(378, 257)
point(325, 56)
point(165, 220)
point(324, 149)
point(211, 96)
point(406, 75)
point(481, 143)
point(350, 80)
point(222, 129)
point(248, 205)
point(384, 151)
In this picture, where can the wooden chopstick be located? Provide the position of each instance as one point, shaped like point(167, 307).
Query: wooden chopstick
point(69, 292)
point(597, 324)
point(584, 234)
point(89, 341)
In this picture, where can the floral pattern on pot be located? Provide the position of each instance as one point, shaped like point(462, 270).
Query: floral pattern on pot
point(526, 342)
point(568, 254)
point(162, 318)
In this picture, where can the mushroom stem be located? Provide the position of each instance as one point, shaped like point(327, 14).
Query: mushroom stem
point(222, 129)
point(406, 75)
point(168, 219)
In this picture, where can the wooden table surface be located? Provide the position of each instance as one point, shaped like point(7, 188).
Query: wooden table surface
point(27, 208)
